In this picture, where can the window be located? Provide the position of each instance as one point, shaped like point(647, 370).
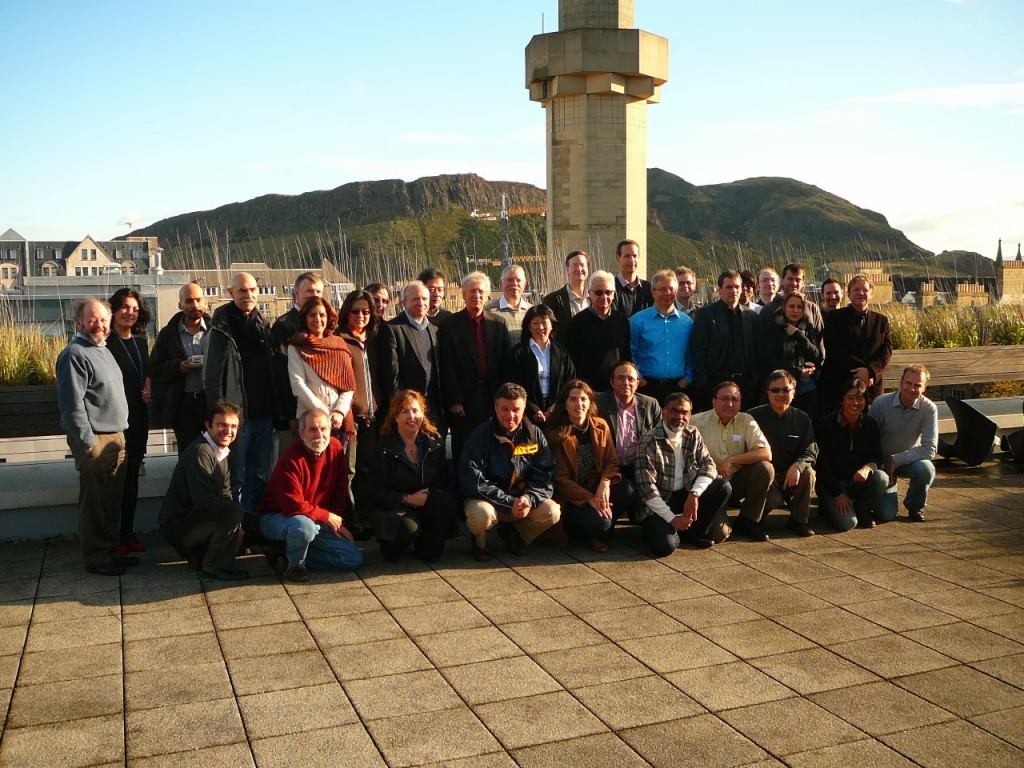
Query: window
point(85, 254)
point(265, 290)
point(78, 271)
point(264, 308)
point(40, 254)
point(4, 272)
point(211, 290)
point(57, 254)
point(92, 255)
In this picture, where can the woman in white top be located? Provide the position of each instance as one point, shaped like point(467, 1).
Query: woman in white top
point(320, 367)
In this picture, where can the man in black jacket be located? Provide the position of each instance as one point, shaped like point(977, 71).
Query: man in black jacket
point(723, 344)
point(176, 363)
point(572, 298)
point(598, 337)
point(416, 350)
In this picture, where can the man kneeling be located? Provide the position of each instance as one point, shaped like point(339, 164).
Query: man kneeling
point(507, 475)
point(304, 504)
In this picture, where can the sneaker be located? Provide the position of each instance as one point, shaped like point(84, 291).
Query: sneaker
point(800, 529)
point(513, 540)
point(131, 542)
point(297, 573)
point(749, 529)
point(915, 517)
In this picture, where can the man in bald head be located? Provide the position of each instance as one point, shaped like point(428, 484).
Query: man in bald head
point(238, 367)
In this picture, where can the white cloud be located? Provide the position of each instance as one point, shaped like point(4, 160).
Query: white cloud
point(976, 95)
point(849, 118)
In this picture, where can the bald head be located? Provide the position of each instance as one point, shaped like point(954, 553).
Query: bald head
point(243, 291)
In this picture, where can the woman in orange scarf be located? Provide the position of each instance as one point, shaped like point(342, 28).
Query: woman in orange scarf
point(320, 367)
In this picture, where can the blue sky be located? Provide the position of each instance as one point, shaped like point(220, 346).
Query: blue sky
point(134, 111)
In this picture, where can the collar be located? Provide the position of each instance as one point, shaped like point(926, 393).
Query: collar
point(916, 405)
point(202, 324)
point(219, 453)
point(673, 312)
point(627, 284)
point(88, 340)
point(503, 304)
point(714, 415)
point(578, 296)
point(623, 406)
point(416, 323)
point(537, 347)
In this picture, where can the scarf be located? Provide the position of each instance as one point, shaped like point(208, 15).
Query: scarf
point(329, 358)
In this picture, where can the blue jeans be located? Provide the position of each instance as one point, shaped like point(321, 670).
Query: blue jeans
point(310, 544)
point(922, 475)
point(250, 461)
point(866, 498)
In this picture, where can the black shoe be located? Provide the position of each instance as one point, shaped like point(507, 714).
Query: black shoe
point(749, 529)
point(480, 554)
point(800, 529)
point(275, 553)
point(915, 517)
point(129, 560)
point(513, 540)
point(224, 574)
point(697, 541)
point(298, 573)
point(107, 569)
point(391, 551)
point(865, 522)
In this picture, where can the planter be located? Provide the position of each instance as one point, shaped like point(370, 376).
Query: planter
point(29, 411)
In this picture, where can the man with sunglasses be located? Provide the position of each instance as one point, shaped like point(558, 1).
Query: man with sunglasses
point(598, 337)
point(790, 434)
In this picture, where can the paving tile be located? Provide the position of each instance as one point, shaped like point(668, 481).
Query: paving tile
point(509, 678)
point(73, 581)
point(1009, 669)
point(177, 685)
point(900, 614)
point(930, 746)
point(778, 601)
point(906, 581)
point(174, 651)
point(347, 744)
point(431, 737)
point(375, 574)
point(405, 694)
point(58, 665)
point(341, 602)
point(256, 589)
point(1007, 724)
point(892, 655)
point(554, 634)
point(691, 561)
point(56, 635)
point(830, 625)
point(268, 638)
point(491, 583)
point(637, 701)
point(880, 708)
point(183, 621)
point(710, 611)
point(420, 592)
point(234, 615)
point(856, 562)
point(440, 617)
point(105, 604)
point(89, 742)
point(727, 686)
point(966, 573)
point(966, 603)
point(591, 665)
point(163, 597)
point(279, 672)
point(538, 719)
point(1009, 592)
point(963, 690)
point(331, 631)
point(603, 750)
point(235, 755)
point(795, 569)
point(634, 569)
point(383, 657)
point(965, 642)
point(15, 613)
point(467, 646)
point(548, 576)
point(696, 742)
point(490, 760)
point(1010, 625)
point(735, 578)
point(65, 700)
point(630, 623)
point(183, 726)
point(519, 606)
point(790, 725)
point(866, 752)
point(594, 597)
point(755, 638)
point(295, 710)
point(1011, 564)
point(846, 590)
point(9, 671)
point(671, 653)
point(813, 670)
point(675, 586)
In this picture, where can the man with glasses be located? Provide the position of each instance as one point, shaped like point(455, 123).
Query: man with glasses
point(686, 293)
point(630, 416)
point(381, 299)
point(790, 434)
point(742, 456)
point(598, 337)
point(510, 308)
point(660, 341)
point(434, 280)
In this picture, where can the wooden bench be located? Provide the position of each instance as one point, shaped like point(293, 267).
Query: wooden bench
point(963, 366)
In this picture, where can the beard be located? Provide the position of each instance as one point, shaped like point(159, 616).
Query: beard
point(318, 444)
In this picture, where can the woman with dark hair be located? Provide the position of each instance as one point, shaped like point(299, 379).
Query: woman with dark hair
point(586, 465)
point(850, 482)
point(320, 367)
point(127, 343)
point(792, 343)
point(407, 485)
point(539, 364)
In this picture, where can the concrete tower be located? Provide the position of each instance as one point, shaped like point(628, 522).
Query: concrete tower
point(595, 77)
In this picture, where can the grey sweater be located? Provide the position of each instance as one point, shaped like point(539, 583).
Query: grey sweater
point(908, 434)
point(90, 391)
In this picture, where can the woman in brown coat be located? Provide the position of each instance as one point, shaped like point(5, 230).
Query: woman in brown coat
point(586, 465)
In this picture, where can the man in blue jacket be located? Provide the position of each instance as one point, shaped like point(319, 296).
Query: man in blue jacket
point(507, 475)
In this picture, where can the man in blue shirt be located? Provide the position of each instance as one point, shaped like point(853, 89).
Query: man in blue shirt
point(660, 341)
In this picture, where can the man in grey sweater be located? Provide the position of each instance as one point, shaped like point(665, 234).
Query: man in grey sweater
point(94, 414)
point(910, 431)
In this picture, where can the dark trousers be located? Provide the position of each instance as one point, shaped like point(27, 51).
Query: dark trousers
point(663, 539)
point(209, 536)
point(189, 420)
point(660, 389)
point(425, 528)
point(479, 406)
point(100, 492)
point(583, 524)
point(136, 438)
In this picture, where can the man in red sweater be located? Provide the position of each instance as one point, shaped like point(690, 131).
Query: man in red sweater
point(304, 504)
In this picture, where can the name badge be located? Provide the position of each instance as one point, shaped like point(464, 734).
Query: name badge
point(737, 438)
point(527, 449)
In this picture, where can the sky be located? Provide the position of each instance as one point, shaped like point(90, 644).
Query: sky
point(119, 114)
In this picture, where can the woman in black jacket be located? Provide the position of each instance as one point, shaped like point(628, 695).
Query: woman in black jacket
point(539, 364)
point(792, 343)
point(407, 487)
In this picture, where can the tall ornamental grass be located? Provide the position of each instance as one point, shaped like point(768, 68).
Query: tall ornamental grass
point(947, 327)
point(27, 357)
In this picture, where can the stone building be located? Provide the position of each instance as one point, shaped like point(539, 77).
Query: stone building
point(1009, 277)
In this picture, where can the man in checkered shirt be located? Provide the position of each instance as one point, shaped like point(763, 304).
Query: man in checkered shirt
point(684, 498)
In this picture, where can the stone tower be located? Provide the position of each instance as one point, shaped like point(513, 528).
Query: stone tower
point(595, 77)
point(1009, 277)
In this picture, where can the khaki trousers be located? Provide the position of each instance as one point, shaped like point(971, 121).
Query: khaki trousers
point(481, 516)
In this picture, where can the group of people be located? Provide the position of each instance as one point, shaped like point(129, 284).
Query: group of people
point(613, 399)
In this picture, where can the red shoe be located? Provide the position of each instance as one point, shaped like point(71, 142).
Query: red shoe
point(130, 543)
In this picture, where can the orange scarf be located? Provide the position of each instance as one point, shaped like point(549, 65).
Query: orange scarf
point(329, 359)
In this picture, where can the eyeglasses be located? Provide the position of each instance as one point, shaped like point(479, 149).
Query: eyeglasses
point(601, 293)
point(361, 312)
point(780, 390)
point(728, 399)
point(621, 377)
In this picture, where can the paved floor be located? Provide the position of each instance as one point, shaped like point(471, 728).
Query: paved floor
point(901, 645)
